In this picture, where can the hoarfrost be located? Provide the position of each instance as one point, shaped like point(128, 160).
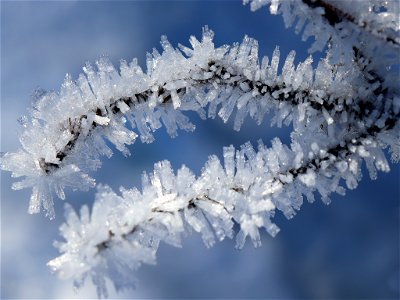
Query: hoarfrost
point(343, 113)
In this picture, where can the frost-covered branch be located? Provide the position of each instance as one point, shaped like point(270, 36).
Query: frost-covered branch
point(370, 26)
point(345, 110)
point(346, 20)
point(66, 135)
point(124, 231)
point(382, 24)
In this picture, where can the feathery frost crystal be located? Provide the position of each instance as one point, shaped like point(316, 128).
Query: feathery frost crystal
point(344, 111)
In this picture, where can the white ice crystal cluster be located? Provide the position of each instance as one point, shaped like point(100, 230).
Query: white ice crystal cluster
point(344, 112)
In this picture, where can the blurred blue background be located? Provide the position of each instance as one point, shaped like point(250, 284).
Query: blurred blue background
point(349, 249)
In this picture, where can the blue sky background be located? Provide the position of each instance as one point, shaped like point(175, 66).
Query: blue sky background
point(349, 249)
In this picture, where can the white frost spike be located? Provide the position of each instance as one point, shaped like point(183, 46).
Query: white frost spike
point(273, 69)
point(175, 99)
point(288, 68)
point(227, 108)
point(327, 117)
point(229, 159)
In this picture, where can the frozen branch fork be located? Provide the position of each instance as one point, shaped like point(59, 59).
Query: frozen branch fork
point(60, 153)
point(344, 110)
